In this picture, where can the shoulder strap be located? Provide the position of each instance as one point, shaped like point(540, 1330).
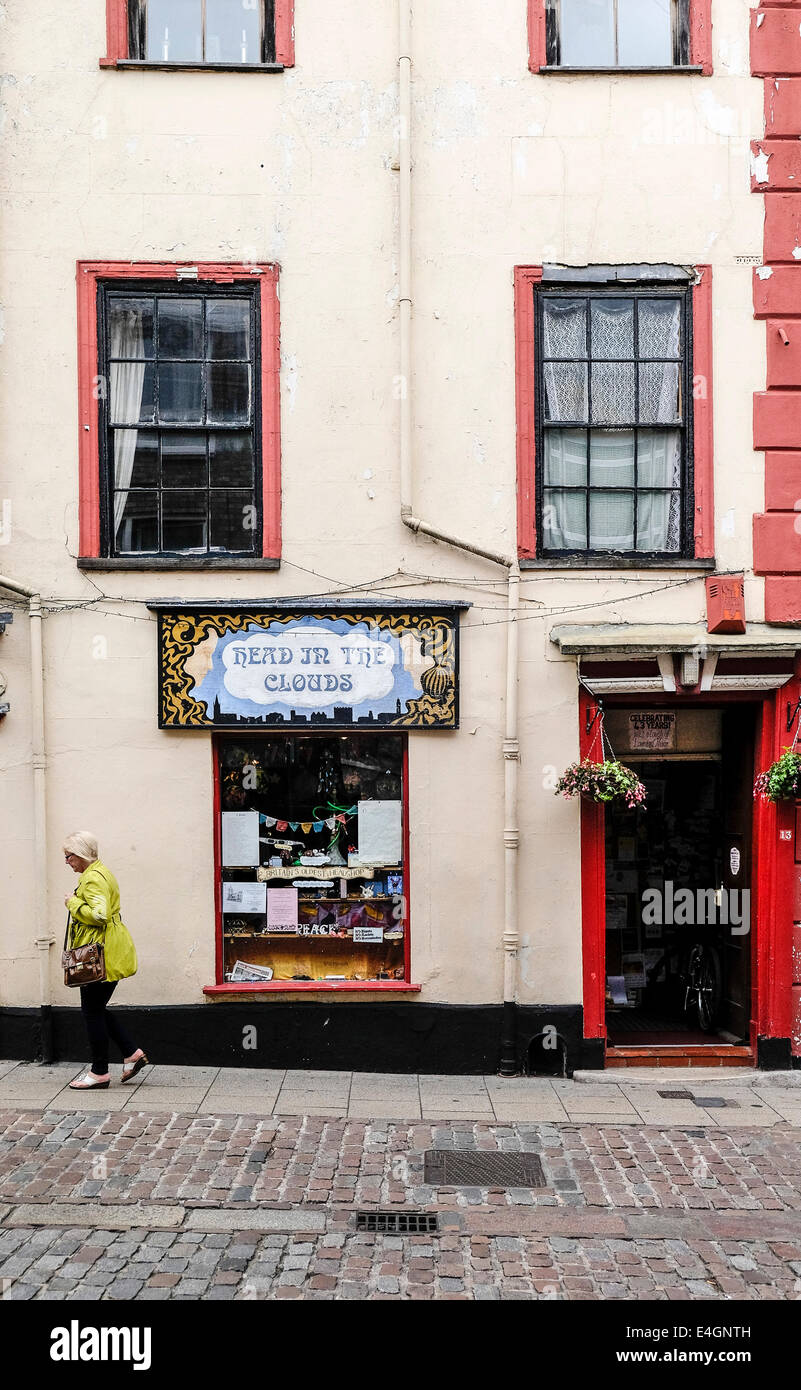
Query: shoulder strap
point(67, 928)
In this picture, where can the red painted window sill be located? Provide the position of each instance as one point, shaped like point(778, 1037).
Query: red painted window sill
point(301, 986)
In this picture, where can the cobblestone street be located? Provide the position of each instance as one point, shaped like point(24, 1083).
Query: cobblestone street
point(157, 1204)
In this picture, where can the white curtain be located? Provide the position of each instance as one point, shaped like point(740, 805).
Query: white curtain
point(612, 452)
point(612, 512)
point(127, 383)
point(659, 465)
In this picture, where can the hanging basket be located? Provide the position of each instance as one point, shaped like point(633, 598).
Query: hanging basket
point(607, 782)
point(782, 781)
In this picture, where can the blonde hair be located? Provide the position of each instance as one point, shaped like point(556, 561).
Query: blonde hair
point(82, 844)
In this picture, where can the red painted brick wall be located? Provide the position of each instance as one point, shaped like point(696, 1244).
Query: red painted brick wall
point(776, 175)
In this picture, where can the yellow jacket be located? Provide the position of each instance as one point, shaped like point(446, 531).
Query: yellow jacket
point(94, 910)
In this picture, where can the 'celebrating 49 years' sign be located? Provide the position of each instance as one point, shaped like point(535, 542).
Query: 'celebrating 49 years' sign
point(278, 668)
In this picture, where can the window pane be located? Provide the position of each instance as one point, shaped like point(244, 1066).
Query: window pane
point(612, 458)
point(565, 328)
point(659, 521)
point(233, 31)
point(564, 521)
point(136, 458)
point(184, 518)
point(565, 391)
point(231, 460)
point(229, 328)
point(174, 31)
point(660, 327)
point(180, 391)
point(136, 521)
point(130, 393)
point(613, 393)
point(645, 33)
point(233, 521)
point(130, 327)
point(180, 327)
point(611, 521)
point(183, 460)
point(566, 457)
point(587, 33)
point(659, 458)
point(659, 393)
point(613, 328)
point(228, 393)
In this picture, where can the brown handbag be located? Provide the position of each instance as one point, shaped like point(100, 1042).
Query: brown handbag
point(82, 965)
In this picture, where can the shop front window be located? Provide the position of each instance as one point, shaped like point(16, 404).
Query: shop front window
point(312, 864)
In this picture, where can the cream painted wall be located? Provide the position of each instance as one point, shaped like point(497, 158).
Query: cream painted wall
point(296, 168)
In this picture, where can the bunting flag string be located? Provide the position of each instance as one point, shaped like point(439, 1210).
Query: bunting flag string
point(307, 826)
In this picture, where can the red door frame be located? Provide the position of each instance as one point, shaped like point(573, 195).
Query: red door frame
point(771, 879)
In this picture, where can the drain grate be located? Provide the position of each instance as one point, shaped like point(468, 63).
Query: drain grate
point(461, 1168)
point(397, 1223)
point(675, 1095)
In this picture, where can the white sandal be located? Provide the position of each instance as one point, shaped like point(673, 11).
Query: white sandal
point(86, 1085)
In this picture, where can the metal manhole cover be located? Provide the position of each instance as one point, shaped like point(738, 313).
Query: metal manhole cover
point(716, 1102)
point(399, 1223)
point(460, 1168)
point(675, 1095)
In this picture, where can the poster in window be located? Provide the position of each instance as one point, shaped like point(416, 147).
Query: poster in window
point(244, 897)
point(380, 832)
point(240, 839)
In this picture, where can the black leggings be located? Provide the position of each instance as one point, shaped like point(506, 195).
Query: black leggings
point(101, 1025)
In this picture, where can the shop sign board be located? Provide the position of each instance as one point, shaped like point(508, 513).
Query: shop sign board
point(652, 730)
point(281, 669)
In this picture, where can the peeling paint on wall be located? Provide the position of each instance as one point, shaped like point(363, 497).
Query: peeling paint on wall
point(759, 166)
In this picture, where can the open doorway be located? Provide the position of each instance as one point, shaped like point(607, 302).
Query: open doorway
point(678, 879)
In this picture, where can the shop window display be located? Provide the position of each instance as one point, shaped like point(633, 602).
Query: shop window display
point(312, 859)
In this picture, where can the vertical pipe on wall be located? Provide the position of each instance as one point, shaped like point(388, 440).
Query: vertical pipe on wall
point(511, 748)
point(38, 759)
point(509, 1065)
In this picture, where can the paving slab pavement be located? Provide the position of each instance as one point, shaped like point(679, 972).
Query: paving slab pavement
point(763, 1098)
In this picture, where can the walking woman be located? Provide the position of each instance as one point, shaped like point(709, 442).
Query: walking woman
point(94, 910)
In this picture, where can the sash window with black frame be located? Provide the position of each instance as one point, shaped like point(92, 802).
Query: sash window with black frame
point(180, 448)
point(618, 33)
point(232, 33)
point(614, 391)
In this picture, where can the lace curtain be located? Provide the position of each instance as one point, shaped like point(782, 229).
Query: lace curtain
point(606, 392)
point(611, 516)
point(126, 386)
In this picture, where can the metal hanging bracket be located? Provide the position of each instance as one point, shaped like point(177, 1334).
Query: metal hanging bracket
point(792, 714)
point(599, 712)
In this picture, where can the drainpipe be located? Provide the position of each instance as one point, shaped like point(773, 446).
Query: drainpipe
point(43, 939)
point(511, 745)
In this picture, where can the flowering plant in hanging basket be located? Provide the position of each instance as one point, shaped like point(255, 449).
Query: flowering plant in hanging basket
point(605, 782)
point(782, 781)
